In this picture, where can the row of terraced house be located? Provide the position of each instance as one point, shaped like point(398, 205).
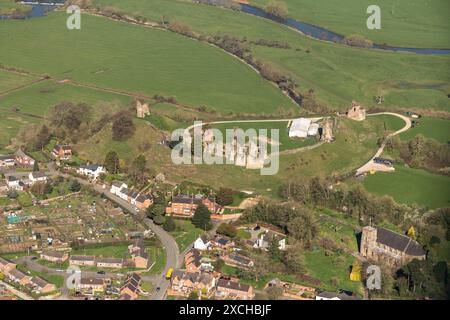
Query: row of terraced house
point(141, 201)
point(16, 276)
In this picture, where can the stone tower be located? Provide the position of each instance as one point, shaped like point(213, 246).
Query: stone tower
point(368, 241)
point(142, 109)
point(356, 112)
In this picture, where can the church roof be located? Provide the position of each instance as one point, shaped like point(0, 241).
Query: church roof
point(399, 242)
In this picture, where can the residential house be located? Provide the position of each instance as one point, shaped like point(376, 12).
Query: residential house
point(192, 260)
point(54, 256)
point(6, 266)
point(131, 196)
point(264, 239)
point(91, 170)
point(143, 201)
point(91, 285)
point(185, 205)
point(37, 176)
point(22, 159)
point(222, 243)
point(202, 243)
point(237, 260)
point(7, 161)
point(139, 254)
point(116, 186)
point(82, 261)
point(131, 287)
point(41, 285)
point(389, 247)
point(62, 152)
point(229, 289)
point(14, 183)
point(19, 277)
point(123, 193)
point(112, 263)
point(184, 282)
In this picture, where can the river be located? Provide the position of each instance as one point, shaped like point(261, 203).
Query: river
point(327, 35)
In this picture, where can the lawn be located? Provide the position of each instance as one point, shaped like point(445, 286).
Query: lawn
point(337, 73)
point(185, 234)
point(241, 233)
point(407, 185)
point(407, 23)
point(131, 58)
point(432, 128)
point(325, 268)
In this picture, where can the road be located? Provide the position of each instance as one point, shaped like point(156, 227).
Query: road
point(371, 164)
point(168, 242)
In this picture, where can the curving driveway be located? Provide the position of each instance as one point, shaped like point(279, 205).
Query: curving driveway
point(371, 165)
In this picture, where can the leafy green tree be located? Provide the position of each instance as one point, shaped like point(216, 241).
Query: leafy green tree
point(159, 220)
point(169, 224)
point(138, 169)
point(302, 228)
point(156, 210)
point(74, 185)
point(12, 194)
point(202, 218)
point(112, 162)
point(224, 196)
point(123, 126)
point(227, 229)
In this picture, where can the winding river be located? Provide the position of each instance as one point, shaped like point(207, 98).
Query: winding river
point(326, 35)
point(316, 32)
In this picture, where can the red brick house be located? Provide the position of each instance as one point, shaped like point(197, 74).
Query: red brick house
point(22, 159)
point(62, 152)
point(228, 289)
point(185, 205)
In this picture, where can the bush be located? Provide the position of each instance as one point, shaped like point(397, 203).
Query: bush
point(277, 8)
point(357, 40)
point(169, 224)
point(159, 220)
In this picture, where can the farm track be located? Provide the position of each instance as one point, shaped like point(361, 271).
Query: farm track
point(82, 85)
point(371, 164)
point(24, 86)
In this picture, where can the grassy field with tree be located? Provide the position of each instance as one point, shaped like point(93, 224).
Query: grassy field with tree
point(406, 23)
point(407, 185)
point(131, 58)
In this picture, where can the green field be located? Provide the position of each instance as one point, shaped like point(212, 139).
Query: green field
point(10, 6)
point(11, 80)
point(409, 186)
point(337, 73)
point(406, 23)
point(131, 58)
point(432, 128)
